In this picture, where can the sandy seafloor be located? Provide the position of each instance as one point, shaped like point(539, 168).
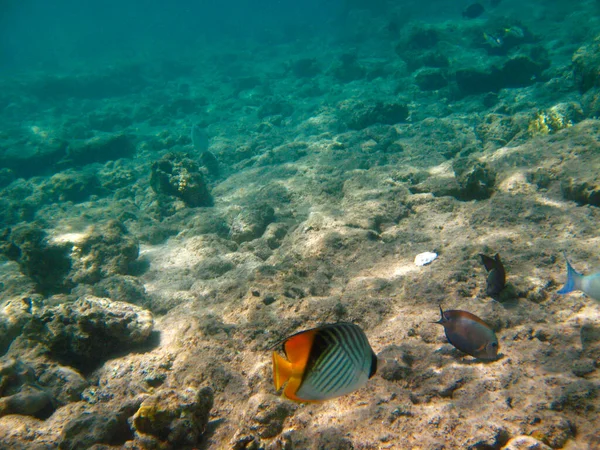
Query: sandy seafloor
point(327, 189)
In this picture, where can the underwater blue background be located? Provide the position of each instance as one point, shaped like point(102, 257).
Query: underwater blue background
point(57, 32)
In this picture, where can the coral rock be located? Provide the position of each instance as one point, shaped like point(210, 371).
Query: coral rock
point(99, 427)
point(45, 263)
point(359, 115)
point(476, 179)
point(525, 443)
point(584, 192)
point(585, 66)
point(430, 79)
point(100, 148)
point(177, 176)
point(174, 418)
point(108, 250)
point(89, 330)
point(251, 223)
point(15, 313)
point(29, 402)
point(267, 414)
point(74, 187)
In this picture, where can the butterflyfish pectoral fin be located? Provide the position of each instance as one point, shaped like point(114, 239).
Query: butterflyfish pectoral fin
point(282, 370)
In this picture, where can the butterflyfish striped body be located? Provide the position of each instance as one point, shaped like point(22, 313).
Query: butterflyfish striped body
point(323, 363)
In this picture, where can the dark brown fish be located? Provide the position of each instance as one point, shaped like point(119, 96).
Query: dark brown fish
point(473, 10)
point(496, 279)
point(469, 334)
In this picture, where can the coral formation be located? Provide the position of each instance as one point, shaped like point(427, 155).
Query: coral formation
point(430, 79)
point(519, 71)
point(178, 176)
point(583, 192)
point(359, 115)
point(83, 333)
point(100, 148)
point(250, 223)
point(476, 180)
point(106, 250)
point(585, 65)
point(47, 264)
point(554, 119)
point(171, 418)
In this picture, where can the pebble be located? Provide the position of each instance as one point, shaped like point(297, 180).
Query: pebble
point(422, 259)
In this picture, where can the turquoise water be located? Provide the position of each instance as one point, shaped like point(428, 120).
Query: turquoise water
point(183, 186)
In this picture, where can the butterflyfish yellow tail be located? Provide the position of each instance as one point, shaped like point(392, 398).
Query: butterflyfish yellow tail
point(297, 350)
point(282, 370)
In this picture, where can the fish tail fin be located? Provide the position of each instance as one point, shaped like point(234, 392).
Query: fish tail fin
point(573, 280)
point(282, 370)
point(488, 262)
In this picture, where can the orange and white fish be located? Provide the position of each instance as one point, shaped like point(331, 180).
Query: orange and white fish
point(324, 363)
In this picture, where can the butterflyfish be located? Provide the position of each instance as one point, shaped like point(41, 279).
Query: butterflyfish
point(589, 284)
point(469, 334)
point(324, 363)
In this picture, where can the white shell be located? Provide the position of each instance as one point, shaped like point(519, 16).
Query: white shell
point(422, 259)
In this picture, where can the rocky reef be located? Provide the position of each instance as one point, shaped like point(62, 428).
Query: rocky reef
point(145, 278)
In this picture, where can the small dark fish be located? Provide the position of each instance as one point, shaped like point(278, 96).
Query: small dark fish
point(469, 334)
point(494, 3)
point(496, 279)
point(392, 28)
point(473, 11)
point(324, 362)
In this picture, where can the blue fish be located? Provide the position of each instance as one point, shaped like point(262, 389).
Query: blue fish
point(589, 284)
point(199, 138)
